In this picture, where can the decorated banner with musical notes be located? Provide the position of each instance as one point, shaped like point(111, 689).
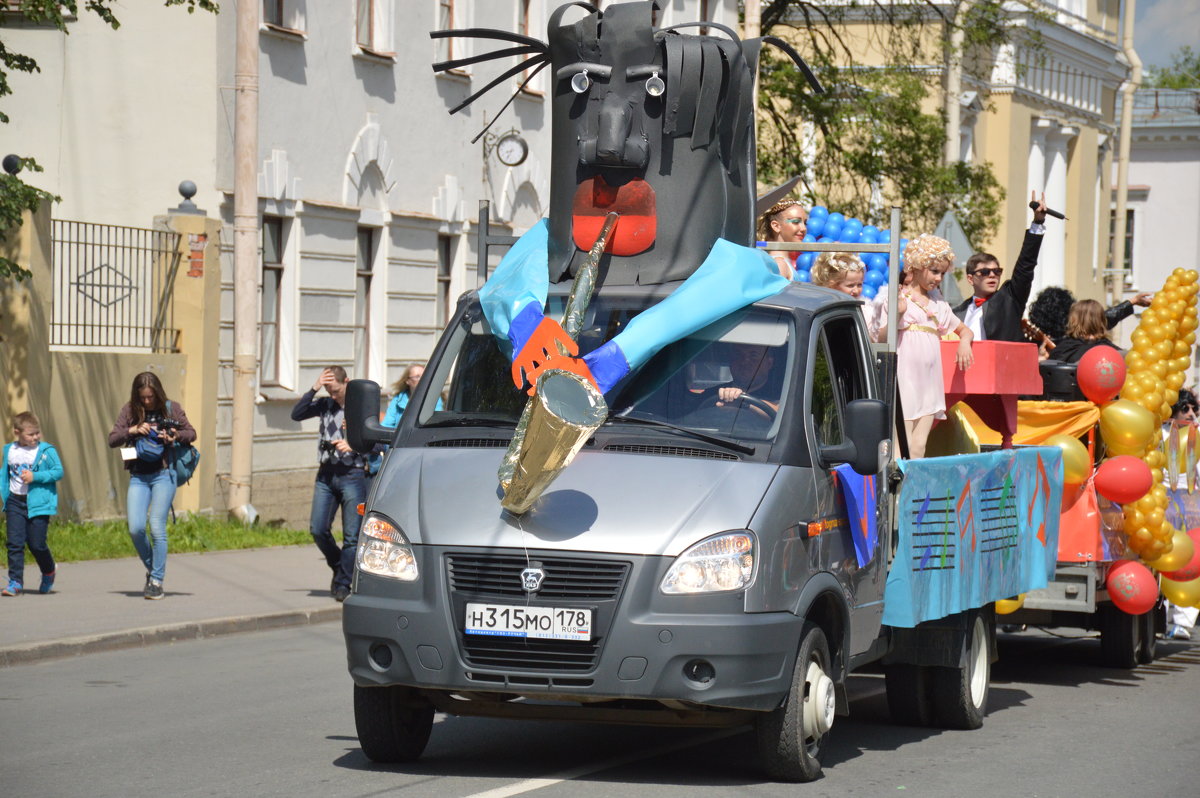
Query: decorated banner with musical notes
point(973, 529)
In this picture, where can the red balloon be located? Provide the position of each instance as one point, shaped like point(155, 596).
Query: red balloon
point(1132, 587)
point(1192, 570)
point(1123, 479)
point(1101, 373)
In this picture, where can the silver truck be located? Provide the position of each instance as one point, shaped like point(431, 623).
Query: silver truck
point(691, 567)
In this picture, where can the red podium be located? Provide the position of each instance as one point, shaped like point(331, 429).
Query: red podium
point(1002, 372)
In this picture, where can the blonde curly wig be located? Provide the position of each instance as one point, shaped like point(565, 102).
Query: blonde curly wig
point(832, 267)
point(926, 250)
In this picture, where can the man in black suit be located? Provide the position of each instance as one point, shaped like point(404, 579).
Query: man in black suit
point(994, 312)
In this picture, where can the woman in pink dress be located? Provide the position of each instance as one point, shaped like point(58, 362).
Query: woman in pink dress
point(924, 318)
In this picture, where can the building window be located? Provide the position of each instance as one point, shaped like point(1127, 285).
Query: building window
point(445, 21)
point(445, 265)
point(364, 269)
point(271, 303)
point(373, 27)
point(284, 15)
point(1112, 231)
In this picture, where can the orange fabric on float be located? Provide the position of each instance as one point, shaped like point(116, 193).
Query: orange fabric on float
point(1037, 421)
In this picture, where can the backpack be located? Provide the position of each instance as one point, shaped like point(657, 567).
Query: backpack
point(184, 459)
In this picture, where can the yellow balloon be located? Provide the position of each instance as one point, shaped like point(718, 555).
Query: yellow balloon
point(1179, 555)
point(1156, 459)
point(1181, 349)
point(1132, 390)
point(1127, 427)
point(1077, 465)
point(1185, 594)
point(1009, 606)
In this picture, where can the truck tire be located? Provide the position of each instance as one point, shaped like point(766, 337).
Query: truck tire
point(959, 695)
point(1148, 645)
point(791, 737)
point(1120, 637)
point(392, 726)
point(908, 694)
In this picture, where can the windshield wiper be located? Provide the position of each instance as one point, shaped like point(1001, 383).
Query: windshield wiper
point(691, 433)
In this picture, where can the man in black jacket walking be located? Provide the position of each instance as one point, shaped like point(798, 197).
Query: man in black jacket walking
point(994, 311)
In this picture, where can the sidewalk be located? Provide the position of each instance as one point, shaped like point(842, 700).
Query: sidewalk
point(98, 605)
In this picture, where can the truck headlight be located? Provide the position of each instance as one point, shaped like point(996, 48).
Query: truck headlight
point(384, 551)
point(721, 563)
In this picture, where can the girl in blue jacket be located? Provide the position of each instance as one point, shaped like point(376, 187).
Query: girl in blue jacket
point(30, 496)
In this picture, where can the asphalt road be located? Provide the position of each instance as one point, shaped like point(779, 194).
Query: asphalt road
point(269, 713)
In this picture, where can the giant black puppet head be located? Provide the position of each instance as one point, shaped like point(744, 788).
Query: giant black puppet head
point(655, 124)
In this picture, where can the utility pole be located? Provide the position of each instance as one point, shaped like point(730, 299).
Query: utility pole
point(245, 260)
point(1116, 276)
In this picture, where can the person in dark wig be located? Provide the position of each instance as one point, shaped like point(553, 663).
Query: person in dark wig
point(643, 119)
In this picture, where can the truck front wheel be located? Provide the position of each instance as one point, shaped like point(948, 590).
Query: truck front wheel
point(393, 723)
point(960, 694)
point(791, 737)
point(1120, 637)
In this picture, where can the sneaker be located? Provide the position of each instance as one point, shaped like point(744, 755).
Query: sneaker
point(47, 582)
point(341, 593)
point(1176, 632)
point(153, 591)
point(13, 588)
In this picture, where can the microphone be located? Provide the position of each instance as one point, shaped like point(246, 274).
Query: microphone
point(1033, 206)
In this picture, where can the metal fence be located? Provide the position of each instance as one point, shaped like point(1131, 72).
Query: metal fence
point(113, 287)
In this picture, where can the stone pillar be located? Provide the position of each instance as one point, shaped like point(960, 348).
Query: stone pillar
point(25, 309)
point(197, 302)
point(1037, 184)
point(1052, 262)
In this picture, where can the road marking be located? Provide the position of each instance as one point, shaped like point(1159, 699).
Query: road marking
point(529, 785)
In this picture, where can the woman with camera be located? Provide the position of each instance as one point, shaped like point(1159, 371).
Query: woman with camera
point(147, 426)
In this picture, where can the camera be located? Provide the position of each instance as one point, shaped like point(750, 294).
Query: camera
point(168, 424)
point(326, 446)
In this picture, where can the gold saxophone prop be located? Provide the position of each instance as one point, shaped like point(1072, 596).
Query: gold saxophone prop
point(565, 409)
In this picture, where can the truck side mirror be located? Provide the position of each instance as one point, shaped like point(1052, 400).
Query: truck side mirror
point(363, 429)
point(866, 425)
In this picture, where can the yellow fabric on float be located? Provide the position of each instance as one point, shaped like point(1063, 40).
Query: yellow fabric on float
point(1037, 421)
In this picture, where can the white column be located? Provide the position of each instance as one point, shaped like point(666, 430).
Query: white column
point(1037, 184)
point(1052, 261)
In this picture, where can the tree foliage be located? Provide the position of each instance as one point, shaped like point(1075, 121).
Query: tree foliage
point(1183, 72)
point(17, 196)
point(874, 139)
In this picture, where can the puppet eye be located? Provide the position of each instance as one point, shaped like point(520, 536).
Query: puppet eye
point(580, 82)
point(655, 86)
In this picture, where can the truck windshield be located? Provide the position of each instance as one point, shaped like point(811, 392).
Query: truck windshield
point(727, 379)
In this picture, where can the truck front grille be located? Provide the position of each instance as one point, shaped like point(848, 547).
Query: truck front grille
point(566, 578)
point(482, 651)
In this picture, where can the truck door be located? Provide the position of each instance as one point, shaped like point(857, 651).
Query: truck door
point(840, 372)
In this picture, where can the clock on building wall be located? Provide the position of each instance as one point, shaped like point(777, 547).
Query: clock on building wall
point(511, 149)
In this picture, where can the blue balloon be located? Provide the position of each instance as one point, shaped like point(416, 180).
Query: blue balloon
point(836, 218)
point(832, 231)
point(818, 212)
point(903, 244)
point(885, 237)
point(871, 229)
point(874, 278)
point(815, 226)
point(803, 277)
point(868, 237)
point(876, 261)
point(810, 238)
point(869, 291)
point(853, 224)
point(826, 240)
point(849, 236)
point(805, 261)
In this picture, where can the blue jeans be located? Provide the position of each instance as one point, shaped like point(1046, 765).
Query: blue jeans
point(23, 531)
point(146, 505)
point(334, 487)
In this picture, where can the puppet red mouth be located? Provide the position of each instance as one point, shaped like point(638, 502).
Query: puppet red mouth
point(634, 201)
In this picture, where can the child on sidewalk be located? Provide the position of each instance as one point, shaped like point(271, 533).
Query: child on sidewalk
point(30, 497)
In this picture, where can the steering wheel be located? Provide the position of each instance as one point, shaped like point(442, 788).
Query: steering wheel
point(753, 401)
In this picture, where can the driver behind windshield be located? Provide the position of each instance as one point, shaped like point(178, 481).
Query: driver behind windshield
point(745, 378)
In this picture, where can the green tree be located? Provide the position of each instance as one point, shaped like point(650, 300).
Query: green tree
point(875, 142)
point(1183, 73)
point(17, 196)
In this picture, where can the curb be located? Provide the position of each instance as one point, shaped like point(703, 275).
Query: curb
point(170, 633)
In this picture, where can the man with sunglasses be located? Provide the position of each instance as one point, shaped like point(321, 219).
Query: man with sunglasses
point(994, 311)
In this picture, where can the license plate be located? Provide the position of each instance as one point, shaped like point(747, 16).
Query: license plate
point(542, 623)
